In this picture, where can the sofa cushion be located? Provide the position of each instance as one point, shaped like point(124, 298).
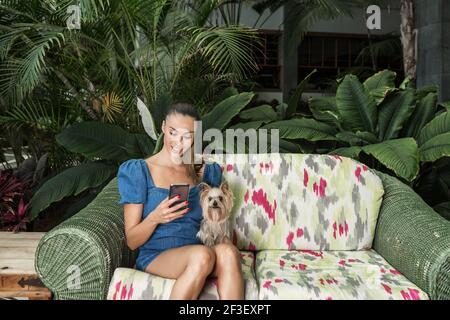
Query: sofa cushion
point(297, 201)
point(132, 284)
point(349, 275)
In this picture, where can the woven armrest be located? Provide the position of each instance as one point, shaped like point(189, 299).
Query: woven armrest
point(76, 260)
point(414, 239)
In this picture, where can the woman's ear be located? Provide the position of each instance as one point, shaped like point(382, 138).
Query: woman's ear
point(163, 126)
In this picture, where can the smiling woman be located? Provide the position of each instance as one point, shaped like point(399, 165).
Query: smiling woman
point(166, 236)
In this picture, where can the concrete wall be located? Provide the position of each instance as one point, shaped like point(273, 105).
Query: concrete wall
point(433, 23)
point(390, 22)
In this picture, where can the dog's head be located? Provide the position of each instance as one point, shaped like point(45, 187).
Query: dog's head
point(216, 202)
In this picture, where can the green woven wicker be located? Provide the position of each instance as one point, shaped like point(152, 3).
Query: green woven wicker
point(414, 239)
point(91, 243)
point(410, 236)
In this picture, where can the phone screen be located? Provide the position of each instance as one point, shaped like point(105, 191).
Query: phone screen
point(179, 189)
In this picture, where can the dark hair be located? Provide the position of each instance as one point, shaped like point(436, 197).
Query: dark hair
point(188, 109)
point(183, 108)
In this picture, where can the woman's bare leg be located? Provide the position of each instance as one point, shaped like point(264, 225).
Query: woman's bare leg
point(228, 271)
point(190, 265)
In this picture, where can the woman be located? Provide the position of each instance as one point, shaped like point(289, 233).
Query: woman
point(166, 237)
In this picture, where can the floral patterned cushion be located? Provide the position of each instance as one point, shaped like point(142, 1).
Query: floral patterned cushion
point(296, 201)
point(131, 284)
point(315, 275)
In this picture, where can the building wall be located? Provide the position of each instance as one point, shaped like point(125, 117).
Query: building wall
point(433, 23)
point(390, 23)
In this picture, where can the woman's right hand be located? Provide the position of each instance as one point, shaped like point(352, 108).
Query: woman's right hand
point(163, 214)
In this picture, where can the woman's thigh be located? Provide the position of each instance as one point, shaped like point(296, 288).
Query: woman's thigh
point(171, 263)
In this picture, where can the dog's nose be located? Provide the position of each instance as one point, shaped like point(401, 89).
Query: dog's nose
point(215, 203)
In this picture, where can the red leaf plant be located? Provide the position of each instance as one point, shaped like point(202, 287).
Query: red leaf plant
point(14, 195)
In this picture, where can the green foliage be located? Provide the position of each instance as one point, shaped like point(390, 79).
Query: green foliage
point(402, 131)
point(70, 182)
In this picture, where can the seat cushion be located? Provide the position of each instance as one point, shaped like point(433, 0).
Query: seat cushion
point(299, 201)
point(131, 284)
point(316, 275)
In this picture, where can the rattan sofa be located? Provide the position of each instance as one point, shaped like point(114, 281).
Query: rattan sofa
point(409, 235)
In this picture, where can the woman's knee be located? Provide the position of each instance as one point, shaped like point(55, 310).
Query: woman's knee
point(228, 255)
point(202, 259)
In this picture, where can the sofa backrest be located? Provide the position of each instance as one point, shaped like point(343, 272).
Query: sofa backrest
point(299, 201)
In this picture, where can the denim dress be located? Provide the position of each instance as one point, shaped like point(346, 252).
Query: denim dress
point(136, 186)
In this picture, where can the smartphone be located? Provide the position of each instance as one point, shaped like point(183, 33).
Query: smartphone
point(179, 189)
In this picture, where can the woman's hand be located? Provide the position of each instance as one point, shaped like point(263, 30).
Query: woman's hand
point(164, 214)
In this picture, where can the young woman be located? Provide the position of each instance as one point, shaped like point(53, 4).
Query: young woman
point(166, 237)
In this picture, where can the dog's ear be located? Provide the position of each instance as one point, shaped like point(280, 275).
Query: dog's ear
point(203, 186)
point(224, 186)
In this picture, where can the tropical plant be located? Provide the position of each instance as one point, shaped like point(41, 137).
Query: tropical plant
point(104, 146)
point(126, 54)
point(14, 196)
point(402, 131)
point(52, 76)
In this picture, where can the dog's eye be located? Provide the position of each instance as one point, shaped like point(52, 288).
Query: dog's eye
point(209, 198)
point(220, 198)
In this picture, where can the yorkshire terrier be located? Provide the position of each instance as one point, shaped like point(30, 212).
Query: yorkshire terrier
point(216, 205)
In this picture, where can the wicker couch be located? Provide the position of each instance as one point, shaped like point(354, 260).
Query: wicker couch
point(307, 226)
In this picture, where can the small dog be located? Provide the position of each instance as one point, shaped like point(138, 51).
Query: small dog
point(216, 204)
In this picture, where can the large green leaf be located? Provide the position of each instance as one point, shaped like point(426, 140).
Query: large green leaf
point(247, 125)
point(357, 139)
point(380, 84)
point(406, 83)
point(423, 113)
point(395, 110)
point(297, 96)
point(98, 140)
point(159, 143)
point(401, 156)
point(356, 106)
point(325, 110)
point(350, 152)
point(226, 110)
point(436, 127)
point(435, 148)
point(70, 182)
point(446, 105)
point(290, 147)
point(308, 129)
point(263, 113)
point(147, 119)
point(140, 146)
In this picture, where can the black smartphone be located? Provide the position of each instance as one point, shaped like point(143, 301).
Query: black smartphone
point(179, 189)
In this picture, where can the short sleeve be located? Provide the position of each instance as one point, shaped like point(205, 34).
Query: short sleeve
point(214, 178)
point(132, 182)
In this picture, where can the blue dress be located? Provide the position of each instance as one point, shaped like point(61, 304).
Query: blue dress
point(136, 186)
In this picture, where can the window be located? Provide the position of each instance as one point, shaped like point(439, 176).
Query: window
point(332, 54)
point(267, 57)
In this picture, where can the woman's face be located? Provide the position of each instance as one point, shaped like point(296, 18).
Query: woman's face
point(178, 132)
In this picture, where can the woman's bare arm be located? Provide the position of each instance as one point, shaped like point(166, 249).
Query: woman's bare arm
point(137, 232)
